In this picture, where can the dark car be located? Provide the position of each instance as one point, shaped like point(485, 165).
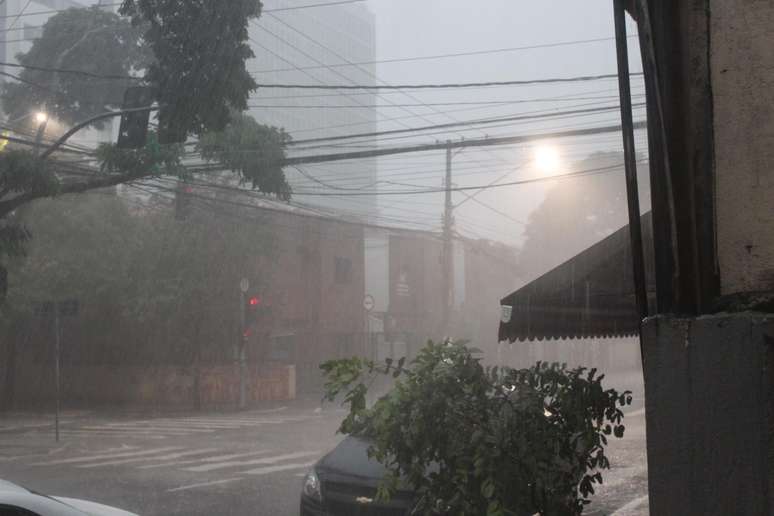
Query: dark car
point(344, 483)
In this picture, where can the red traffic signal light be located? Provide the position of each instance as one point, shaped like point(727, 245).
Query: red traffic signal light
point(254, 301)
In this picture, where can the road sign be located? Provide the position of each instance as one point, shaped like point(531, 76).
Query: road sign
point(244, 285)
point(368, 302)
point(506, 312)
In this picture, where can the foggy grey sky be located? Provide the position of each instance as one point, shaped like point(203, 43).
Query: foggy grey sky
point(429, 27)
point(412, 28)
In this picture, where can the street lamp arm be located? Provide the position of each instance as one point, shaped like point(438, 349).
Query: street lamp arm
point(77, 127)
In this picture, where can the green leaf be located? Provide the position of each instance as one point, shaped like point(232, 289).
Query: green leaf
point(490, 448)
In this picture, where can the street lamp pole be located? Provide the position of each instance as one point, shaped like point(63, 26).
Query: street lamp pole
point(42, 119)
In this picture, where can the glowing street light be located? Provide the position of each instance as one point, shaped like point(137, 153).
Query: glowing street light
point(41, 117)
point(547, 159)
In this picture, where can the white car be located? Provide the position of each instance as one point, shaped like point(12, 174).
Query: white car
point(18, 501)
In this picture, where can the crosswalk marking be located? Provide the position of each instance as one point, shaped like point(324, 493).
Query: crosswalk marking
point(90, 458)
point(275, 469)
point(236, 422)
point(140, 430)
point(143, 459)
point(163, 427)
point(52, 452)
point(265, 460)
point(217, 458)
point(204, 484)
point(123, 435)
point(194, 427)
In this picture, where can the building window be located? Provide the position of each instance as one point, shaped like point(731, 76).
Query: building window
point(343, 270)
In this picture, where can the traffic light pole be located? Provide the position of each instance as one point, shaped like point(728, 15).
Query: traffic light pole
point(56, 369)
point(242, 353)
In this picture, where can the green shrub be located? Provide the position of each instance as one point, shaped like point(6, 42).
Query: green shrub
point(473, 440)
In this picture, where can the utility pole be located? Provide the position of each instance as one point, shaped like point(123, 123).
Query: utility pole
point(627, 131)
point(241, 354)
point(57, 353)
point(42, 119)
point(447, 257)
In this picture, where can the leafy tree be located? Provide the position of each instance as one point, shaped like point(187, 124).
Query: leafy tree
point(254, 151)
point(578, 212)
point(91, 41)
point(197, 67)
point(473, 440)
point(200, 48)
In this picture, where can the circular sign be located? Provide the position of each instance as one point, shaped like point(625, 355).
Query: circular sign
point(244, 284)
point(368, 302)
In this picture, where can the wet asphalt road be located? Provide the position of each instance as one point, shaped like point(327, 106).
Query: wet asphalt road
point(231, 463)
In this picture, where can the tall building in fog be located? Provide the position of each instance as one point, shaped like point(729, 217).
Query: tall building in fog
point(293, 43)
point(22, 23)
point(308, 46)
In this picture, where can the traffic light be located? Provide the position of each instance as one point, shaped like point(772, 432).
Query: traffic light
point(133, 131)
point(256, 309)
point(253, 304)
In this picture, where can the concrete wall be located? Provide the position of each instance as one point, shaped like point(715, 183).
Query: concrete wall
point(146, 385)
point(742, 63)
point(708, 385)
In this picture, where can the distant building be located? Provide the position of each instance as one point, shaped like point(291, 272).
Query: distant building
point(23, 21)
point(308, 46)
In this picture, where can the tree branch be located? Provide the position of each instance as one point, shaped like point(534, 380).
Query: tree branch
point(10, 205)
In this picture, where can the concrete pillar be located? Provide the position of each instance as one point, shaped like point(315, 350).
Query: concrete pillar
point(709, 385)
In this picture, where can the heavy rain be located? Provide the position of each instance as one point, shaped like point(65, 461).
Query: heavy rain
point(386, 257)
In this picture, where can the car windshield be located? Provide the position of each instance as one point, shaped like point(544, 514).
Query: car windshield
point(202, 202)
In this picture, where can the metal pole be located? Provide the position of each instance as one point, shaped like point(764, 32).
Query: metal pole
point(39, 136)
point(632, 193)
point(56, 368)
point(370, 348)
point(242, 358)
point(447, 243)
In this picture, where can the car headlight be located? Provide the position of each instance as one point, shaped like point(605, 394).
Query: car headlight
point(312, 486)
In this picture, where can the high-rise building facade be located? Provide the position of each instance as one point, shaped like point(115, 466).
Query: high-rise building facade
point(325, 45)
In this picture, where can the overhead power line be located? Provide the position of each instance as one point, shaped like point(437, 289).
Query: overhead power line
point(50, 11)
point(21, 13)
point(554, 80)
point(309, 6)
point(280, 9)
point(449, 55)
point(482, 142)
point(579, 173)
point(70, 71)
point(404, 117)
point(380, 106)
point(458, 124)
